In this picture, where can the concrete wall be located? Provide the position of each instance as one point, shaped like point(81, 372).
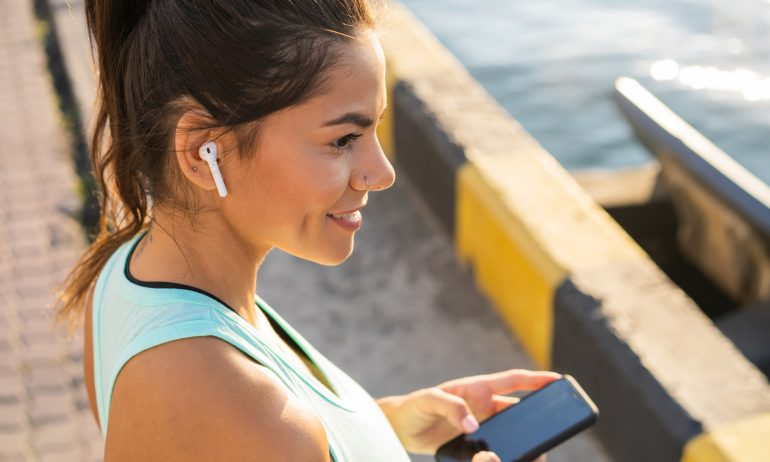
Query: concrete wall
point(572, 286)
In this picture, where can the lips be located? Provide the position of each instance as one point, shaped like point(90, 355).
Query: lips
point(350, 222)
point(347, 212)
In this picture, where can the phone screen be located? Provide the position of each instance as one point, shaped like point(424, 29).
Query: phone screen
point(523, 431)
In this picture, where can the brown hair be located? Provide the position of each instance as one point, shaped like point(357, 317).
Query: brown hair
point(240, 60)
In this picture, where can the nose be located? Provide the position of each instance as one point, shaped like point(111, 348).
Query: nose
point(376, 167)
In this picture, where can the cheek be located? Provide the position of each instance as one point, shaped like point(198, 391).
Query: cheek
point(319, 185)
point(310, 183)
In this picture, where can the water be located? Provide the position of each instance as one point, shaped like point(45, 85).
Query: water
point(552, 65)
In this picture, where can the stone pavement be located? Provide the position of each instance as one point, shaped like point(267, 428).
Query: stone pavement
point(398, 315)
point(44, 413)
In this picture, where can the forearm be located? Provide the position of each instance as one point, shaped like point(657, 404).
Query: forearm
point(388, 405)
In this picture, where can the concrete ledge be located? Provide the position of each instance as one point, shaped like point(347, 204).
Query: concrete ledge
point(574, 288)
point(658, 365)
point(624, 187)
point(739, 441)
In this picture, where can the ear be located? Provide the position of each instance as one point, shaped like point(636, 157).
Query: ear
point(188, 138)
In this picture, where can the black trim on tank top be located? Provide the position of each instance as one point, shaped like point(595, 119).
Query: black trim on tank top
point(164, 284)
point(176, 285)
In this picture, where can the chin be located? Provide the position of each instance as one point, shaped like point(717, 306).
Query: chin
point(328, 257)
point(332, 260)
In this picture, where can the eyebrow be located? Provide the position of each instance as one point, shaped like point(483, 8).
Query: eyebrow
point(353, 118)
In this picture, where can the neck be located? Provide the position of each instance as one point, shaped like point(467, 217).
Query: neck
point(209, 256)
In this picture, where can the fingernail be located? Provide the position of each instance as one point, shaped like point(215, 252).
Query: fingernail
point(470, 424)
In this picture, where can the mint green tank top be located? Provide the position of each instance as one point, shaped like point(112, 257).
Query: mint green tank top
point(130, 316)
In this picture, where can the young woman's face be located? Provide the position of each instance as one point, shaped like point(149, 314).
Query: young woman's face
point(311, 160)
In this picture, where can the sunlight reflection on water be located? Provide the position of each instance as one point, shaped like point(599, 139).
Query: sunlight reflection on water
point(552, 65)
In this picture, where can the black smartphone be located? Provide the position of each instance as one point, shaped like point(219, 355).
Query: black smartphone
point(529, 428)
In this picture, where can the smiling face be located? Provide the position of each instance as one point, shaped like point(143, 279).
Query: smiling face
point(310, 161)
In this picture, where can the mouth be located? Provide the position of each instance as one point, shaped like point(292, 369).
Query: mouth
point(346, 214)
point(349, 221)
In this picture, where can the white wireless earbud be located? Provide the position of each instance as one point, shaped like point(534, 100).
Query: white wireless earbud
point(208, 152)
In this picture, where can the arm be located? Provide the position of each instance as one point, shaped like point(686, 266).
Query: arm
point(200, 399)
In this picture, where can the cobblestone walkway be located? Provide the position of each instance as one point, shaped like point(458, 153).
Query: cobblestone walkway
point(44, 413)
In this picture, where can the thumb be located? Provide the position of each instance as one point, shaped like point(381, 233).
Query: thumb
point(456, 411)
point(485, 456)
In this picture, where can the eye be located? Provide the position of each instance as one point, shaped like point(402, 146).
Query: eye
point(345, 143)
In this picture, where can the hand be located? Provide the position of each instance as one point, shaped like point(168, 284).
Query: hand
point(486, 456)
point(427, 418)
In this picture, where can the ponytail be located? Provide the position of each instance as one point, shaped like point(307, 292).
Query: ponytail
point(122, 199)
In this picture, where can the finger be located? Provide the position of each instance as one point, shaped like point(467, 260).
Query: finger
point(486, 456)
point(435, 401)
point(542, 458)
point(505, 382)
point(502, 402)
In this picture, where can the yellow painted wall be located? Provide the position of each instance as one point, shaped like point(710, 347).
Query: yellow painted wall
point(520, 285)
point(744, 441)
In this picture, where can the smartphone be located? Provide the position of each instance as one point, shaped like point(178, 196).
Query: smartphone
point(522, 432)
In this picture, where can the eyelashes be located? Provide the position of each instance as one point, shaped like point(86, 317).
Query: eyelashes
point(345, 143)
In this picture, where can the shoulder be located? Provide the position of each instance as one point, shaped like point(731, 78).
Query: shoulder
point(200, 398)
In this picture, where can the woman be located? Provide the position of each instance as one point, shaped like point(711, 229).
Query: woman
point(226, 128)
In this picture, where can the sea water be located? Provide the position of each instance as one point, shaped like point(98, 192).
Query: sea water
point(552, 65)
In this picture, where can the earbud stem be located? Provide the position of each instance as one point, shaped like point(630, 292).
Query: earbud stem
point(221, 188)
